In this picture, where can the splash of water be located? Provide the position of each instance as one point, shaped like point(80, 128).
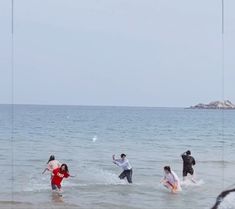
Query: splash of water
point(94, 138)
point(190, 183)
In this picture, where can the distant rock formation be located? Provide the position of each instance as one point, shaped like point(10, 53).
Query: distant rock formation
point(226, 104)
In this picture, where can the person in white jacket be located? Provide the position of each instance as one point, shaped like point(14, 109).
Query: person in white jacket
point(171, 180)
point(123, 162)
point(52, 164)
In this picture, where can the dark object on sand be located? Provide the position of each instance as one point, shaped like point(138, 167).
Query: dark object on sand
point(220, 198)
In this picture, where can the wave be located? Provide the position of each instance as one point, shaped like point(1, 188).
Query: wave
point(86, 177)
point(217, 162)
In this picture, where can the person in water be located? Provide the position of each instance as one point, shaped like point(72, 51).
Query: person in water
point(58, 175)
point(123, 162)
point(171, 180)
point(52, 164)
point(188, 163)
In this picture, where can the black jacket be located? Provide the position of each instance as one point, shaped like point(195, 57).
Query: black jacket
point(188, 161)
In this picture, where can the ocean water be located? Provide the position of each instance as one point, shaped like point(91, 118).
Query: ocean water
point(86, 137)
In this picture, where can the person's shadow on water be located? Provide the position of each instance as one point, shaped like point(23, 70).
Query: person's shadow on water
point(56, 197)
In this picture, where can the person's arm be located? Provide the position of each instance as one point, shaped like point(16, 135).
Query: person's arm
point(121, 164)
point(73, 176)
point(68, 175)
point(50, 167)
point(115, 161)
point(163, 179)
point(46, 169)
point(194, 162)
point(183, 155)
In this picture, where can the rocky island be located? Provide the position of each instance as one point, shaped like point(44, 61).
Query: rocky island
point(226, 104)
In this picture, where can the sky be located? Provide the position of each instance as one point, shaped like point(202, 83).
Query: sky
point(161, 53)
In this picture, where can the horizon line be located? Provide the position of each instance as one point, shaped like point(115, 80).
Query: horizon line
point(80, 105)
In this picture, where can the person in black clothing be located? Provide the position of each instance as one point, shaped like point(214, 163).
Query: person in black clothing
point(188, 163)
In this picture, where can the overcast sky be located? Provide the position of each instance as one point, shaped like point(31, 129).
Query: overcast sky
point(117, 52)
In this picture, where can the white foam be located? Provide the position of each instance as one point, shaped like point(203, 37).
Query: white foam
point(189, 182)
point(101, 176)
point(37, 185)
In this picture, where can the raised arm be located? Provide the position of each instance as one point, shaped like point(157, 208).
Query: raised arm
point(114, 159)
point(183, 154)
point(194, 162)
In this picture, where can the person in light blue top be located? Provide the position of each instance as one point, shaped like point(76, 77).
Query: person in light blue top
point(123, 162)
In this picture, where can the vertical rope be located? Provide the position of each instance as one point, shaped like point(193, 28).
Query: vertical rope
point(12, 100)
point(223, 142)
point(222, 17)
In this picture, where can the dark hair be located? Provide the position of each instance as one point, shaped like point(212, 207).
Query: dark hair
point(188, 152)
point(167, 168)
point(52, 157)
point(66, 167)
point(123, 155)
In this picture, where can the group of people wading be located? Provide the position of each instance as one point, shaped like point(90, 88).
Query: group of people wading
point(170, 180)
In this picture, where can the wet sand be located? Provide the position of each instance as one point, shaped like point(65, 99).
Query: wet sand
point(26, 205)
point(30, 206)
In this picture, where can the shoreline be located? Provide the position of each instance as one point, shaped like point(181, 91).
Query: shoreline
point(28, 205)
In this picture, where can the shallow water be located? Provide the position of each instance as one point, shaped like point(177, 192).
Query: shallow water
point(151, 137)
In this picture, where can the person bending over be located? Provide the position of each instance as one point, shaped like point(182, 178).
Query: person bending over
point(58, 175)
point(171, 180)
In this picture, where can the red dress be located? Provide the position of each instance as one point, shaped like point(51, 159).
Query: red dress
point(58, 177)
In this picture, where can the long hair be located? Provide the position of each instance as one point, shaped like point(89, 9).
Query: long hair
point(52, 157)
point(167, 168)
point(66, 167)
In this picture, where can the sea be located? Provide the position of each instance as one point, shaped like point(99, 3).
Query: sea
point(86, 137)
